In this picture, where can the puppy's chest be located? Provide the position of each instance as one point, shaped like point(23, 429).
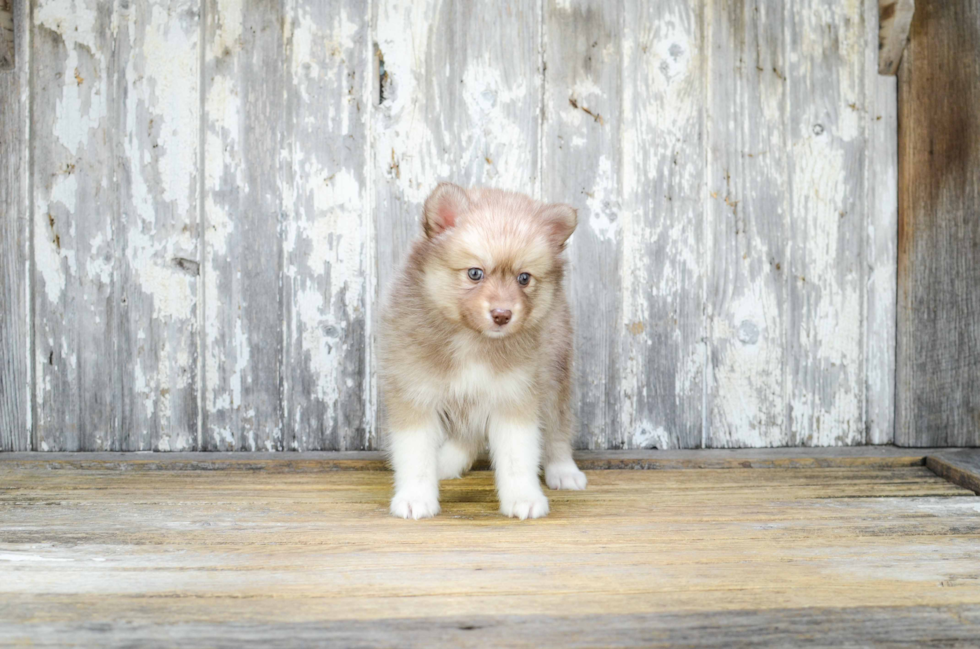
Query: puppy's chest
point(478, 383)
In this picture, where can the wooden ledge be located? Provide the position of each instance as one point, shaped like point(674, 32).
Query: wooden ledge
point(960, 466)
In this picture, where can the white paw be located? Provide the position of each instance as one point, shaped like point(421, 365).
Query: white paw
point(525, 506)
point(415, 503)
point(565, 475)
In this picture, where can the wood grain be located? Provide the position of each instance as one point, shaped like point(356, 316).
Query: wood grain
point(115, 194)
point(16, 362)
point(746, 232)
point(75, 101)
point(581, 165)
point(882, 258)
point(326, 227)
point(153, 248)
point(938, 347)
point(961, 467)
point(894, 20)
point(865, 626)
point(121, 553)
point(827, 134)
point(243, 97)
point(214, 226)
point(660, 330)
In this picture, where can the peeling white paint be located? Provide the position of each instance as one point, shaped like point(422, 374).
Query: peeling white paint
point(81, 108)
point(228, 15)
point(169, 59)
point(646, 435)
point(644, 194)
point(603, 202)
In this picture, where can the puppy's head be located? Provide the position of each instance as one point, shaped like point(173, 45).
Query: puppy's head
point(494, 261)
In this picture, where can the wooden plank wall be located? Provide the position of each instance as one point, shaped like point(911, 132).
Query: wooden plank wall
point(15, 233)
point(220, 190)
point(938, 373)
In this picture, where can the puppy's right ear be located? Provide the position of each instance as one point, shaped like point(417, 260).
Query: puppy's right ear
point(443, 207)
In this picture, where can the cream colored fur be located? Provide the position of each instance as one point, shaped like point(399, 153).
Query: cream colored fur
point(454, 378)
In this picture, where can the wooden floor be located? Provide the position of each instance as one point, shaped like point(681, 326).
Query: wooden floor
point(880, 553)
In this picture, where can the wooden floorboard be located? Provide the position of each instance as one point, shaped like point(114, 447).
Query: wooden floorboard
point(862, 555)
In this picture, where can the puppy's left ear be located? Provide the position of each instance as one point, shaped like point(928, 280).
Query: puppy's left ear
point(561, 220)
point(443, 207)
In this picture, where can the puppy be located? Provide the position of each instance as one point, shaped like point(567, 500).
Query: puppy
point(476, 347)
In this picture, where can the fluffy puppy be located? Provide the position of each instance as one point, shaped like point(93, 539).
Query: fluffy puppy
point(476, 347)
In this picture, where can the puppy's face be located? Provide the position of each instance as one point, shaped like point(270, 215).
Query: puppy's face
point(495, 264)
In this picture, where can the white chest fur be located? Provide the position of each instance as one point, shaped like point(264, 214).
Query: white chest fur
point(478, 382)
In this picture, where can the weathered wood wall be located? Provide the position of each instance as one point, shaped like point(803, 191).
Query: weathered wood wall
point(938, 379)
point(214, 193)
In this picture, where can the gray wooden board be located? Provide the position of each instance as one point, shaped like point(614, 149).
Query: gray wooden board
point(882, 252)
point(152, 258)
point(865, 626)
point(326, 221)
point(74, 104)
point(787, 219)
point(827, 137)
point(938, 347)
point(747, 215)
point(658, 335)
point(115, 211)
point(243, 97)
point(581, 163)
point(15, 232)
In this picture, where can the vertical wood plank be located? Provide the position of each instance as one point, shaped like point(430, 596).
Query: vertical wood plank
point(7, 39)
point(747, 224)
point(155, 240)
point(582, 164)
point(15, 234)
point(938, 349)
point(115, 167)
point(882, 246)
point(828, 139)
point(459, 100)
point(243, 106)
point(328, 81)
point(661, 350)
point(75, 211)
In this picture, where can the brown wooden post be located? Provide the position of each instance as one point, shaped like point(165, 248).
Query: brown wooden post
point(938, 346)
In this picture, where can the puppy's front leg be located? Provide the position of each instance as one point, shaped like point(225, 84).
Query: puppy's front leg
point(515, 449)
point(413, 445)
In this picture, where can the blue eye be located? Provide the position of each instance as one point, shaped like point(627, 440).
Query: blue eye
point(475, 274)
point(523, 279)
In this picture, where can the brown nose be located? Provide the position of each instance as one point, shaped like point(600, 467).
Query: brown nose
point(500, 316)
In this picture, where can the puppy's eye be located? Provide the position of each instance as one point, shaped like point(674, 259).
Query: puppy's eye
point(475, 274)
point(523, 279)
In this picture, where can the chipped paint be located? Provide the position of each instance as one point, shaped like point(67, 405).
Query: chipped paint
point(717, 272)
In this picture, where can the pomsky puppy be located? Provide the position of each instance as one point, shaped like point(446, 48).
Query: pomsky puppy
point(476, 348)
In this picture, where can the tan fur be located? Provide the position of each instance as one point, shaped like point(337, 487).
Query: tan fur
point(444, 359)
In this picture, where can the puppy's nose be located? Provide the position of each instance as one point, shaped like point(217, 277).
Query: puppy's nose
point(500, 316)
